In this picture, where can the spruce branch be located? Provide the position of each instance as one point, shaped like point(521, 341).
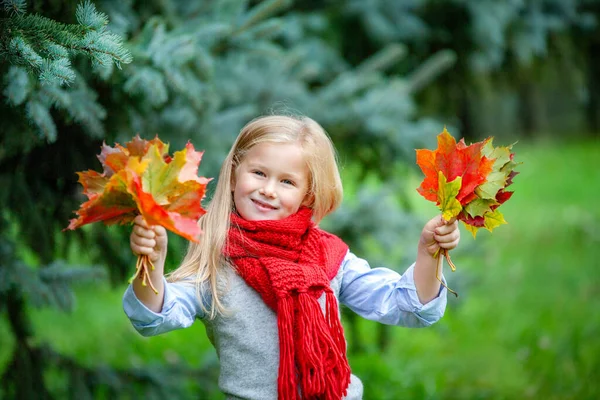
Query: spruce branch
point(43, 48)
point(150, 83)
point(261, 12)
point(59, 271)
point(104, 47)
point(14, 7)
point(57, 96)
point(39, 114)
point(34, 41)
point(56, 72)
point(430, 69)
point(89, 17)
point(27, 55)
point(383, 59)
point(47, 285)
point(18, 86)
point(268, 29)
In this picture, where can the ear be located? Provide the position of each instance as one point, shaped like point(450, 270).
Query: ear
point(309, 200)
point(232, 179)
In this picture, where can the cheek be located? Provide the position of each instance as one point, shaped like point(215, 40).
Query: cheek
point(239, 181)
point(297, 200)
point(244, 185)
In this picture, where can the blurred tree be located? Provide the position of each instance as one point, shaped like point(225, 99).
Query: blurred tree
point(586, 35)
point(507, 43)
point(200, 71)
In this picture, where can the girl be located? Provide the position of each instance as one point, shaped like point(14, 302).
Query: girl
point(267, 282)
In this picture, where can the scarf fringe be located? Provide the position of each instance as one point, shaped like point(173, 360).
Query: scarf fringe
point(311, 345)
point(343, 374)
point(286, 383)
point(320, 349)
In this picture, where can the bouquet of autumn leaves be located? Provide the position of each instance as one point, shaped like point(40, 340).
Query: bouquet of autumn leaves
point(467, 182)
point(142, 178)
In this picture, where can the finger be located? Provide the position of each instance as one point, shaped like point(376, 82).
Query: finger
point(139, 220)
point(434, 223)
point(450, 221)
point(159, 230)
point(447, 225)
point(135, 248)
point(144, 248)
point(144, 242)
point(444, 230)
point(143, 232)
point(450, 244)
point(141, 251)
point(440, 221)
point(447, 237)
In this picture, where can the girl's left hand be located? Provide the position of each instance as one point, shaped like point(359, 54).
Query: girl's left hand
point(439, 233)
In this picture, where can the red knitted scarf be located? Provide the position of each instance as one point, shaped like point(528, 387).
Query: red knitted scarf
point(290, 262)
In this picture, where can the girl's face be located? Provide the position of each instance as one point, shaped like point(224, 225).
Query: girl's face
point(271, 182)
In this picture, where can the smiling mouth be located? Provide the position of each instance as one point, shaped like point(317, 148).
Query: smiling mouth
point(260, 204)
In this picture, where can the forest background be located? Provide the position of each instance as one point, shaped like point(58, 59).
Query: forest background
point(383, 77)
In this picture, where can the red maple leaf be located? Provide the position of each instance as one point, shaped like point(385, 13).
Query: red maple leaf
point(453, 160)
point(142, 178)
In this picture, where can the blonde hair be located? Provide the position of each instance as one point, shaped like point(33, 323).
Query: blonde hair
point(204, 259)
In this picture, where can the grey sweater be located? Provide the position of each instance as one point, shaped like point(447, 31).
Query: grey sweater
point(246, 337)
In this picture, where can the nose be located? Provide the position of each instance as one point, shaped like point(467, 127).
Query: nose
point(268, 189)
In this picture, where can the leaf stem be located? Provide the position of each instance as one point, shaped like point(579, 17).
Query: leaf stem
point(450, 263)
point(440, 259)
point(143, 267)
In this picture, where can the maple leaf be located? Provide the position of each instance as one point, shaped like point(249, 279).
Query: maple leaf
point(467, 182)
point(108, 200)
point(142, 178)
point(485, 172)
point(447, 192)
point(502, 167)
point(482, 212)
point(453, 160)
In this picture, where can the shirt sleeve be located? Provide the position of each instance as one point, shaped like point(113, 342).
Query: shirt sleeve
point(180, 308)
point(383, 295)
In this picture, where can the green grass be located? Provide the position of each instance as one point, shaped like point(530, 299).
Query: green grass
point(98, 331)
point(526, 324)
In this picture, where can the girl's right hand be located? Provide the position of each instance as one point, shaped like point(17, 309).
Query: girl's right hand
point(149, 240)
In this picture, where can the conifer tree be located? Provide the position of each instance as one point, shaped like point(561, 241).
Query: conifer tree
point(38, 149)
point(185, 71)
point(510, 42)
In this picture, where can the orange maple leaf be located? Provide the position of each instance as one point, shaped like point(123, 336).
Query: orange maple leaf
point(453, 160)
point(142, 178)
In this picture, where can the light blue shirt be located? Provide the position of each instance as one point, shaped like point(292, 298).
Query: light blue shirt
point(377, 294)
point(246, 337)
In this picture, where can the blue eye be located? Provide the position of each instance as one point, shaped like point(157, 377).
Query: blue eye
point(259, 173)
point(288, 182)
